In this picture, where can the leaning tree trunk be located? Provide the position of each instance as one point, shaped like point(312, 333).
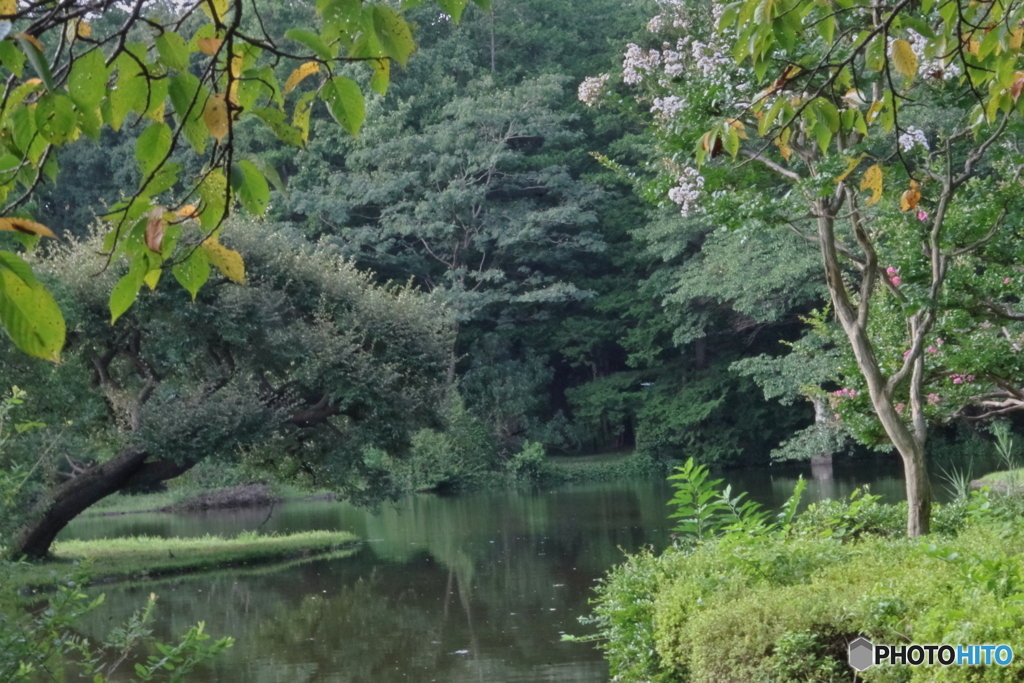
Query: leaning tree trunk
point(70, 499)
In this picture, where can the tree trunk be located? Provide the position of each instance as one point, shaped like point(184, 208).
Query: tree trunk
point(854, 320)
point(75, 496)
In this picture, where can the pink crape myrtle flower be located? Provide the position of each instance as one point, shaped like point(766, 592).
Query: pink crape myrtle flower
point(933, 399)
point(900, 407)
point(922, 215)
point(1007, 281)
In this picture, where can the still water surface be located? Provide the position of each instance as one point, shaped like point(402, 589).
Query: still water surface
point(478, 587)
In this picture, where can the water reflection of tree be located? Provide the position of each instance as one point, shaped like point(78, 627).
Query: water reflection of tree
point(497, 575)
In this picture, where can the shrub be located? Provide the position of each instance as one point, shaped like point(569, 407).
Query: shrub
point(743, 598)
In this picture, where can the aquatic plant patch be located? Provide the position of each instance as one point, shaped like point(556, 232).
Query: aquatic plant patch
point(141, 556)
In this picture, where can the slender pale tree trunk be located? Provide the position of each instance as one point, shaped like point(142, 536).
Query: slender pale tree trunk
point(854, 319)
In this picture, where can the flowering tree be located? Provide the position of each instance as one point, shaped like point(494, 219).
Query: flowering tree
point(884, 133)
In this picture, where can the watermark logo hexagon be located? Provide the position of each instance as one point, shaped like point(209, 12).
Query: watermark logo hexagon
point(862, 654)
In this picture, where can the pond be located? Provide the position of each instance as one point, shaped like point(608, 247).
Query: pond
point(478, 587)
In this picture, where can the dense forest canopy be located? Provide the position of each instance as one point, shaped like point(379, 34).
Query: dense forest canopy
point(522, 181)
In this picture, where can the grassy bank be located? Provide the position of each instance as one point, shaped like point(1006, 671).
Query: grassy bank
point(143, 556)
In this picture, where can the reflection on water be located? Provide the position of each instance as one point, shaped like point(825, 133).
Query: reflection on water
point(478, 587)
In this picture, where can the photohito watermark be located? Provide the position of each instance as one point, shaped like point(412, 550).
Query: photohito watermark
point(864, 654)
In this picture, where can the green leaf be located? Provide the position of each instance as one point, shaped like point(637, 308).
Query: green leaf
point(90, 122)
point(193, 272)
point(829, 113)
point(346, 103)
point(453, 8)
point(130, 92)
point(827, 29)
point(14, 263)
point(12, 58)
point(251, 186)
point(87, 82)
point(367, 44)
point(127, 288)
point(29, 314)
point(874, 54)
point(165, 179)
point(381, 76)
point(188, 97)
point(56, 119)
point(152, 147)
point(269, 172)
point(313, 42)
point(276, 119)
point(340, 17)
point(300, 117)
point(37, 60)
point(768, 120)
point(173, 51)
point(269, 82)
point(485, 5)
point(394, 33)
point(213, 191)
point(823, 135)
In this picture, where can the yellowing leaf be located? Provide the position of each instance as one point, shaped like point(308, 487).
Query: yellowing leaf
point(903, 58)
point(873, 111)
point(215, 114)
point(23, 225)
point(158, 113)
point(8, 7)
point(216, 9)
point(872, 180)
point(187, 211)
point(911, 197)
point(209, 46)
point(782, 142)
point(155, 226)
point(738, 127)
point(228, 261)
point(84, 30)
point(296, 76)
point(1018, 85)
point(968, 42)
point(236, 63)
point(152, 277)
point(1016, 38)
point(33, 40)
point(851, 163)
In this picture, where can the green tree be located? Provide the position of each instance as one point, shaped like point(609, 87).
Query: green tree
point(914, 104)
point(304, 373)
point(82, 68)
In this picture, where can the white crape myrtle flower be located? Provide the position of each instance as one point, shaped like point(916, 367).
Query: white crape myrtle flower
point(912, 137)
point(656, 24)
point(930, 68)
point(639, 62)
point(667, 107)
point(688, 191)
point(710, 57)
point(591, 88)
point(672, 60)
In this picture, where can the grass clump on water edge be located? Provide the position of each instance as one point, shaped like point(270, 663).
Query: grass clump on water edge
point(138, 556)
